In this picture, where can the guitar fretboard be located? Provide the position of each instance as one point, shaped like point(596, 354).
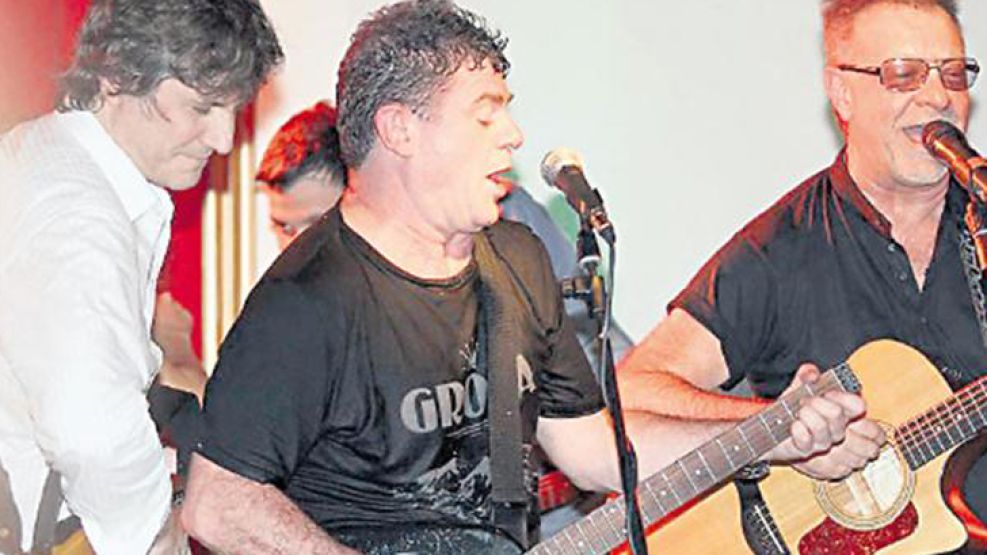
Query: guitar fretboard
point(945, 425)
point(696, 472)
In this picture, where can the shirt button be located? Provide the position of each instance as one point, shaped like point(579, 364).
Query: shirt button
point(891, 247)
point(924, 320)
point(903, 276)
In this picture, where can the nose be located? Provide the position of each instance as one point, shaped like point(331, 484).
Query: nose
point(933, 93)
point(513, 137)
point(220, 126)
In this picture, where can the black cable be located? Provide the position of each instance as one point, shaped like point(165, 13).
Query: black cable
point(625, 449)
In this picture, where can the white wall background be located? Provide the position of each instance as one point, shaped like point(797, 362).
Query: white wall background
point(692, 116)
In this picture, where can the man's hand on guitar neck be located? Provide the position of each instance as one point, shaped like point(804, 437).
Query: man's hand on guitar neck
point(674, 374)
point(830, 437)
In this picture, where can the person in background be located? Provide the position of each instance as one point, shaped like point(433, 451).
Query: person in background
point(301, 173)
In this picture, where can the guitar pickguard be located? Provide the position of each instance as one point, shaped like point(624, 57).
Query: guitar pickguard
point(832, 538)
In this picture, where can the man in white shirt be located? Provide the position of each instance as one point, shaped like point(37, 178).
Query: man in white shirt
point(84, 226)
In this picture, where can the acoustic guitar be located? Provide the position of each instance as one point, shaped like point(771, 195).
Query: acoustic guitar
point(893, 505)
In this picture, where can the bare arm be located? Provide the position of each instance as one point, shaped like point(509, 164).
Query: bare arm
point(672, 370)
point(172, 331)
point(232, 514)
point(584, 448)
point(670, 374)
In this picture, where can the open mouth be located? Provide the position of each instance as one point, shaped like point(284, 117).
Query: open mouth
point(914, 133)
point(503, 179)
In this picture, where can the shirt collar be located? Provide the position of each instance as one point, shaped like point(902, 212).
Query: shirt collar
point(847, 189)
point(135, 192)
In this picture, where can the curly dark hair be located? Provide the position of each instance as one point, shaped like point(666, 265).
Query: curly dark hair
point(402, 54)
point(224, 49)
point(306, 144)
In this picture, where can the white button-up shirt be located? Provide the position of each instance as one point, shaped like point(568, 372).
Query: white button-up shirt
point(82, 239)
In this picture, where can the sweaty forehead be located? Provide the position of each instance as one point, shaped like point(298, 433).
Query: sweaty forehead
point(896, 31)
point(470, 85)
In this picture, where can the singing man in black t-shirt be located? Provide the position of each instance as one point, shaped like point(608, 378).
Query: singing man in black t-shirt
point(351, 397)
point(868, 248)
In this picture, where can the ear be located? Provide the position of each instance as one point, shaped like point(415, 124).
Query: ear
point(108, 96)
point(106, 90)
point(838, 91)
point(395, 126)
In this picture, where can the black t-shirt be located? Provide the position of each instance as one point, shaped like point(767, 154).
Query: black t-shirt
point(354, 387)
point(818, 275)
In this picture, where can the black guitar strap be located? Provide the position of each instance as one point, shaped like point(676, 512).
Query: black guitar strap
point(757, 522)
point(974, 280)
point(499, 346)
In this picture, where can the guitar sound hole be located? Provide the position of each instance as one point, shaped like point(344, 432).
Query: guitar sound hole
point(873, 496)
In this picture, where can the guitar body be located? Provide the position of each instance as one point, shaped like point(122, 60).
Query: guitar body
point(710, 526)
point(886, 508)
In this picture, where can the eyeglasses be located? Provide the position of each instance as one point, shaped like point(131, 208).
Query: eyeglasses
point(910, 74)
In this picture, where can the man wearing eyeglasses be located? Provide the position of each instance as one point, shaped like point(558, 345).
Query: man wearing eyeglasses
point(867, 248)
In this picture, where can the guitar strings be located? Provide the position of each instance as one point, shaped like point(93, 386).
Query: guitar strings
point(928, 427)
point(947, 414)
point(916, 438)
point(931, 426)
point(598, 527)
point(935, 418)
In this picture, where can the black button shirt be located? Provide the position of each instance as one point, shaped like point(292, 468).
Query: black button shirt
point(818, 275)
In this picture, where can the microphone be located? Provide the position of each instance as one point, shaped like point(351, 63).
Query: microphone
point(947, 144)
point(562, 168)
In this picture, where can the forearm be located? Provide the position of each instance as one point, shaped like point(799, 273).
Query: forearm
point(265, 521)
point(663, 393)
point(231, 514)
point(188, 378)
point(660, 441)
point(172, 331)
point(675, 371)
point(591, 462)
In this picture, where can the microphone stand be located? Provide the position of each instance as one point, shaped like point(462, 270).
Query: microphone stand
point(591, 289)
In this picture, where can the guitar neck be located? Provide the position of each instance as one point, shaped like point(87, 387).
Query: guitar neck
point(944, 426)
point(695, 473)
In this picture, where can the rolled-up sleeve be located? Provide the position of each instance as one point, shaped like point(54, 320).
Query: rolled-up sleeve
point(75, 337)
